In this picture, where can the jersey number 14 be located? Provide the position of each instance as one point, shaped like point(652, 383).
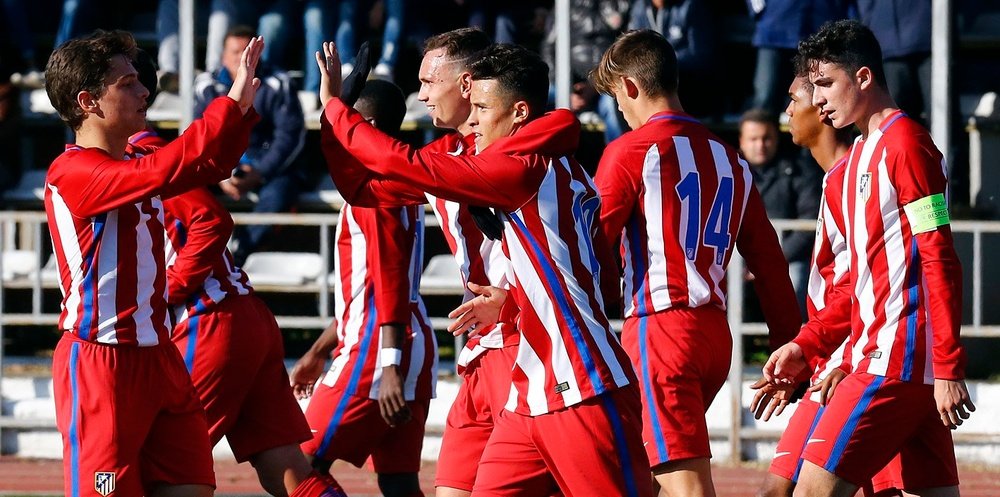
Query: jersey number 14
point(717, 228)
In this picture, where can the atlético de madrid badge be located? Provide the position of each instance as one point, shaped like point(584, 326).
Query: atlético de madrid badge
point(865, 187)
point(104, 482)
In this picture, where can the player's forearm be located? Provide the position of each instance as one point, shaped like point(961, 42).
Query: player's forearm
point(325, 343)
point(181, 165)
point(356, 183)
point(490, 180)
point(942, 272)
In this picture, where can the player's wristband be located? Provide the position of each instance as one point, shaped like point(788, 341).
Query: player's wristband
point(391, 357)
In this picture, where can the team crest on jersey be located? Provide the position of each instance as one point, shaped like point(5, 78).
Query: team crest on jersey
point(865, 187)
point(562, 387)
point(104, 482)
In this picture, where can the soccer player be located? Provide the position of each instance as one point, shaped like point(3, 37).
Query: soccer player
point(904, 276)
point(374, 400)
point(573, 416)
point(485, 362)
point(680, 200)
point(828, 146)
point(230, 341)
point(130, 419)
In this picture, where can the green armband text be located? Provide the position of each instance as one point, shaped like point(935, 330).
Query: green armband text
point(927, 214)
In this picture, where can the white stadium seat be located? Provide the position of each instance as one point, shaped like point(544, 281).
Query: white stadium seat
point(283, 268)
point(442, 276)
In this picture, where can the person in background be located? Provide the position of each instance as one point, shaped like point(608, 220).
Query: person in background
point(268, 166)
point(780, 24)
point(789, 186)
point(903, 28)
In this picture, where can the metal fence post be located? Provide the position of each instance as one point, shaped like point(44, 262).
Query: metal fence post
point(734, 309)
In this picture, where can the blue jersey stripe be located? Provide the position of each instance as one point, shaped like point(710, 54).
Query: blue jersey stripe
point(355, 378)
point(621, 446)
point(912, 295)
point(193, 331)
point(647, 387)
point(852, 423)
point(88, 284)
point(74, 422)
point(812, 428)
point(550, 277)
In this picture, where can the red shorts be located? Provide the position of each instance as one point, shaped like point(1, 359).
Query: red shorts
point(236, 358)
point(129, 419)
point(681, 357)
point(351, 428)
point(870, 419)
point(787, 460)
point(590, 448)
point(482, 394)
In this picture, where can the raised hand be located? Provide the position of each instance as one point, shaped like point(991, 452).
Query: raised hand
point(329, 70)
point(245, 83)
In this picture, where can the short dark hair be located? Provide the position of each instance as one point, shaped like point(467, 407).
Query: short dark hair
point(81, 64)
point(146, 67)
point(384, 102)
point(846, 43)
point(459, 44)
point(520, 73)
point(240, 31)
point(762, 116)
point(643, 55)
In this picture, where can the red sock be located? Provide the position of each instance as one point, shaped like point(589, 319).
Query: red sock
point(317, 485)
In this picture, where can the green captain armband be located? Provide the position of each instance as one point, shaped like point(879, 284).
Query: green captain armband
point(927, 214)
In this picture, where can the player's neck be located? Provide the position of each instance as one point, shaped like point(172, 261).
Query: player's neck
point(464, 129)
point(827, 150)
point(94, 137)
point(651, 106)
point(880, 106)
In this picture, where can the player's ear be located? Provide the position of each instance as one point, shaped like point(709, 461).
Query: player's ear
point(88, 102)
point(521, 112)
point(864, 77)
point(631, 89)
point(465, 84)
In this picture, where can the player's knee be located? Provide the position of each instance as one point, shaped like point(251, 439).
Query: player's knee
point(399, 485)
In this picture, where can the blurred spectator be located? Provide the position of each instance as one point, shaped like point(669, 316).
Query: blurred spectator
point(276, 25)
point(781, 24)
point(167, 27)
point(688, 26)
point(594, 25)
point(391, 35)
point(22, 72)
point(903, 28)
point(268, 165)
point(789, 186)
point(75, 20)
point(522, 23)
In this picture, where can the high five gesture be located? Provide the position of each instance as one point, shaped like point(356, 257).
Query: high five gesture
point(244, 83)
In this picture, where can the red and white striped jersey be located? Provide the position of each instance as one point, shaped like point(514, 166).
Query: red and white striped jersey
point(479, 259)
point(106, 221)
point(567, 352)
point(377, 265)
point(200, 269)
point(830, 266)
point(680, 199)
point(906, 287)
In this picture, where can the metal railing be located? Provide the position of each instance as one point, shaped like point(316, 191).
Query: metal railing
point(25, 229)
